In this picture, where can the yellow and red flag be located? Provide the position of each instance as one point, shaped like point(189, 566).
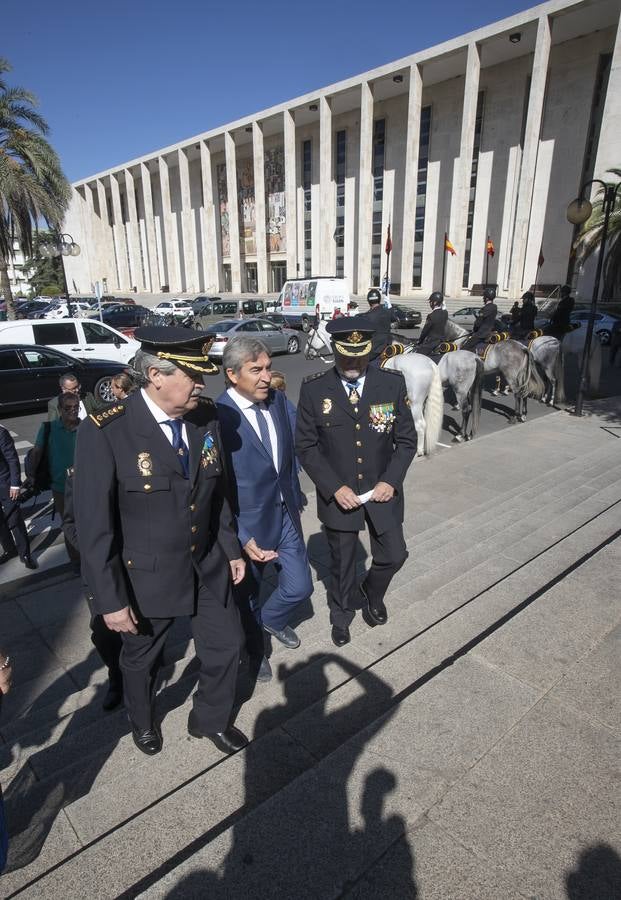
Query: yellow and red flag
point(448, 247)
point(489, 247)
point(388, 241)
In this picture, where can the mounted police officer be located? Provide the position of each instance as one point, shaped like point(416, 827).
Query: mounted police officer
point(355, 437)
point(560, 321)
point(156, 533)
point(526, 320)
point(485, 322)
point(378, 322)
point(434, 327)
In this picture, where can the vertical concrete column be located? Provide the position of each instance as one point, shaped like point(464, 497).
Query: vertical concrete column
point(173, 275)
point(187, 225)
point(154, 277)
point(462, 173)
point(258, 159)
point(290, 185)
point(411, 176)
point(528, 169)
point(231, 186)
point(208, 223)
point(108, 266)
point(133, 234)
point(119, 235)
point(327, 248)
point(609, 146)
point(365, 188)
point(92, 237)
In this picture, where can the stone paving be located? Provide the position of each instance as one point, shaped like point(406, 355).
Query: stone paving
point(467, 749)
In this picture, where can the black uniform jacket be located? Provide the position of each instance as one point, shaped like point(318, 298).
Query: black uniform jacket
point(10, 469)
point(379, 319)
point(485, 322)
point(561, 317)
point(433, 329)
point(146, 533)
point(527, 318)
point(339, 444)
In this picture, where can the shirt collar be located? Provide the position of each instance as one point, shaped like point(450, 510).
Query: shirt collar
point(241, 401)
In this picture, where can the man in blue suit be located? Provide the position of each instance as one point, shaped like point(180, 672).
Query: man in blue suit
point(258, 446)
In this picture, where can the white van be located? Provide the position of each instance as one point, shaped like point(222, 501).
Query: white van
point(82, 338)
point(302, 299)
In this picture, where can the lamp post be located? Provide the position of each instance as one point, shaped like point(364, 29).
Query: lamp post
point(63, 245)
point(578, 211)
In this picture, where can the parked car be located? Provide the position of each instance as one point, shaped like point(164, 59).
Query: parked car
point(603, 325)
point(123, 315)
point(404, 317)
point(228, 309)
point(278, 340)
point(62, 311)
point(281, 321)
point(78, 338)
point(179, 309)
point(203, 298)
point(29, 375)
point(465, 316)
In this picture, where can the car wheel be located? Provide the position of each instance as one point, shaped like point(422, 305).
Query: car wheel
point(293, 345)
point(306, 324)
point(103, 389)
point(604, 337)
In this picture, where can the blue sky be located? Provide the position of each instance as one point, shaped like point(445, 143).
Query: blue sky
point(117, 79)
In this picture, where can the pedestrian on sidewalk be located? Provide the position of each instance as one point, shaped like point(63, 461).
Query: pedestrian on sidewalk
point(107, 643)
point(156, 533)
point(6, 675)
point(258, 443)
point(69, 384)
point(356, 439)
point(122, 385)
point(13, 533)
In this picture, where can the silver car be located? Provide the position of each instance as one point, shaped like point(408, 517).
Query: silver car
point(276, 339)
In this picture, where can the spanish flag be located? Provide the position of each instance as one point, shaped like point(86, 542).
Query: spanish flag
point(448, 247)
point(489, 247)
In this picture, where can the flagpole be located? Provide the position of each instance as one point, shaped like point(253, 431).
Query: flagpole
point(487, 263)
point(388, 249)
point(444, 252)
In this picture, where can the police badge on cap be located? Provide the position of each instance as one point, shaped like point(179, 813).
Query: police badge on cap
point(351, 336)
point(188, 350)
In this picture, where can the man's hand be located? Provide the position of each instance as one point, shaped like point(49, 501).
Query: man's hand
point(256, 554)
point(123, 620)
point(13, 493)
point(346, 498)
point(382, 492)
point(5, 675)
point(238, 570)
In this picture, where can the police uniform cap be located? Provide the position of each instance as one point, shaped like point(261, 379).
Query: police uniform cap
point(351, 336)
point(188, 350)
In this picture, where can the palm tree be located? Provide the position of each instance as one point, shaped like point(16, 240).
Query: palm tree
point(590, 239)
point(33, 188)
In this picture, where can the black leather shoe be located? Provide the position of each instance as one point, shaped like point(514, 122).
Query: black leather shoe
point(113, 697)
point(340, 636)
point(373, 611)
point(9, 554)
point(229, 741)
point(149, 741)
point(29, 562)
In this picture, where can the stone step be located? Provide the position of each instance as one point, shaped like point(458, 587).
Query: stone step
point(226, 827)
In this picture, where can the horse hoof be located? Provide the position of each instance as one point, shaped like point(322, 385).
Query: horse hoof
point(458, 439)
point(455, 406)
point(494, 393)
point(521, 418)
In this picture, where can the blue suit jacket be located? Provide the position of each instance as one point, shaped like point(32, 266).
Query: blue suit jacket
point(255, 484)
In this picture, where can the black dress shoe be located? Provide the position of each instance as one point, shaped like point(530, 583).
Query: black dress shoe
point(229, 741)
point(373, 611)
point(29, 562)
point(149, 741)
point(7, 555)
point(340, 636)
point(113, 697)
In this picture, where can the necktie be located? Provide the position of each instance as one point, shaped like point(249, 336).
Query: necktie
point(179, 445)
point(264, 430)
point(354, 396)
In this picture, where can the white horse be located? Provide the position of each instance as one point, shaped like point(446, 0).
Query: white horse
point(463, 371)
point(422, 381)
point(547, 354)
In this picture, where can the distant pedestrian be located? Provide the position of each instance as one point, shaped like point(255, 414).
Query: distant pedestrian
point(13, 534)
point(122, 386)
point(69, 384)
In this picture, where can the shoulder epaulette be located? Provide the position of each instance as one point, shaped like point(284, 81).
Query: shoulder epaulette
point(206, 401)
point(314, 376)
point(393, 372)
point(105, 417)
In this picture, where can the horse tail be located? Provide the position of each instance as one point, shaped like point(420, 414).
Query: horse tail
point(532, 384)
point(559, 375)
point(434, 412)
point(474, 398)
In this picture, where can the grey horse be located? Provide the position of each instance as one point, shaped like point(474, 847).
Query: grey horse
point(463, 371)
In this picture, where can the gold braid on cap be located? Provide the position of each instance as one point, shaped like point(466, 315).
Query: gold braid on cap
point(186, 360)
point(345, 348)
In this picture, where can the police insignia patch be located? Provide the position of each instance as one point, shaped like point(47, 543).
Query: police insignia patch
point(326, 406)
point(145, 464)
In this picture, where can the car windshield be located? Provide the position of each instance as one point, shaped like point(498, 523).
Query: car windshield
point(220, 327)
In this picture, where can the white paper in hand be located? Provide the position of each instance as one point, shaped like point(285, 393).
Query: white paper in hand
point(364, 498)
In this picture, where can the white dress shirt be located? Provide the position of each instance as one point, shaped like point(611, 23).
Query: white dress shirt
point(246, 406)
point(162, 418)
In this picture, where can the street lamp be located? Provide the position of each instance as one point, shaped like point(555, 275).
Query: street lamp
point(578, 211)
point(63, 245)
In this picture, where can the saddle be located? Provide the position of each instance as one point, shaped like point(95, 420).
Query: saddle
point(391, 350)
point(496, 337)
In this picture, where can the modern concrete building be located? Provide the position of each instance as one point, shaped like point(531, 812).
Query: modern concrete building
point(487, 135)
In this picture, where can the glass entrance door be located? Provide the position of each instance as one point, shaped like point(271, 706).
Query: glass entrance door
point(252, 284)
point(279, 276)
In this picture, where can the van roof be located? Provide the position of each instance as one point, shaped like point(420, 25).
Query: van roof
point(319, 278)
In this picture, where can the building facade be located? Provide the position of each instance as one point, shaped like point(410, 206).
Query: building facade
point(489, 135)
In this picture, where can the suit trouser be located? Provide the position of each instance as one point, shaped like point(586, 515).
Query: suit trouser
point(59, 505)
point(388, 554)
point(13, 532)
point(217, 641)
